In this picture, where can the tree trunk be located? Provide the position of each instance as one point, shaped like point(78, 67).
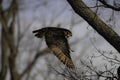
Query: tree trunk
point(9, 36)
point(4, 57)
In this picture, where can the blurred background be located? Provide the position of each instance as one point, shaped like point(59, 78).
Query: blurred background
point(91, 54)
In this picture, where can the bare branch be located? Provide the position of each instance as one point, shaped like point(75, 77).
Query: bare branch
point(103, 29)
point(109, 6)
point(30, 65)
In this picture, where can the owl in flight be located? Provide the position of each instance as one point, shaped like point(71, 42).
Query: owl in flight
point(56, 40)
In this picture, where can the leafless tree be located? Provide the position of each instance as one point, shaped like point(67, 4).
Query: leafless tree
point(14, 37)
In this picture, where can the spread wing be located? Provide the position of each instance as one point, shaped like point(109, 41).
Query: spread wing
point(60, 48)
point(62, 57)
point(57, 42)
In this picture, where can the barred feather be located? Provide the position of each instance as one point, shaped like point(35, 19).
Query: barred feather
point(62, 57)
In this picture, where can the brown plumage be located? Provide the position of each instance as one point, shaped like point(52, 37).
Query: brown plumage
point(56, 39)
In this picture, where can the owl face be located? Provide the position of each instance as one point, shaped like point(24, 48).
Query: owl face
point(67, 34)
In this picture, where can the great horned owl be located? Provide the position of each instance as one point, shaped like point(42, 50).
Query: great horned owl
point(56, 40)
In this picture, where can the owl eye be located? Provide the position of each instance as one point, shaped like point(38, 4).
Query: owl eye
point(68, 34)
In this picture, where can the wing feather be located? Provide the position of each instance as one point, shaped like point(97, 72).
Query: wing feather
point(62, 57)
point(39, 33)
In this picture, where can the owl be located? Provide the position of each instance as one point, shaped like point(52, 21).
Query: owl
point(56, 40)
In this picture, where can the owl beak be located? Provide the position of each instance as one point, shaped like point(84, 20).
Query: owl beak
point(70, 35)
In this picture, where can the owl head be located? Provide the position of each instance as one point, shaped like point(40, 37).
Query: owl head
point(67, 34)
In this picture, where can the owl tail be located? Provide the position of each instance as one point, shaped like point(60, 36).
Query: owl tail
point(63, 58)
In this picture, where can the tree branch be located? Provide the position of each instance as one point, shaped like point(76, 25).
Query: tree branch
point(30, 65)
point(103, 29)
point(109, 6)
